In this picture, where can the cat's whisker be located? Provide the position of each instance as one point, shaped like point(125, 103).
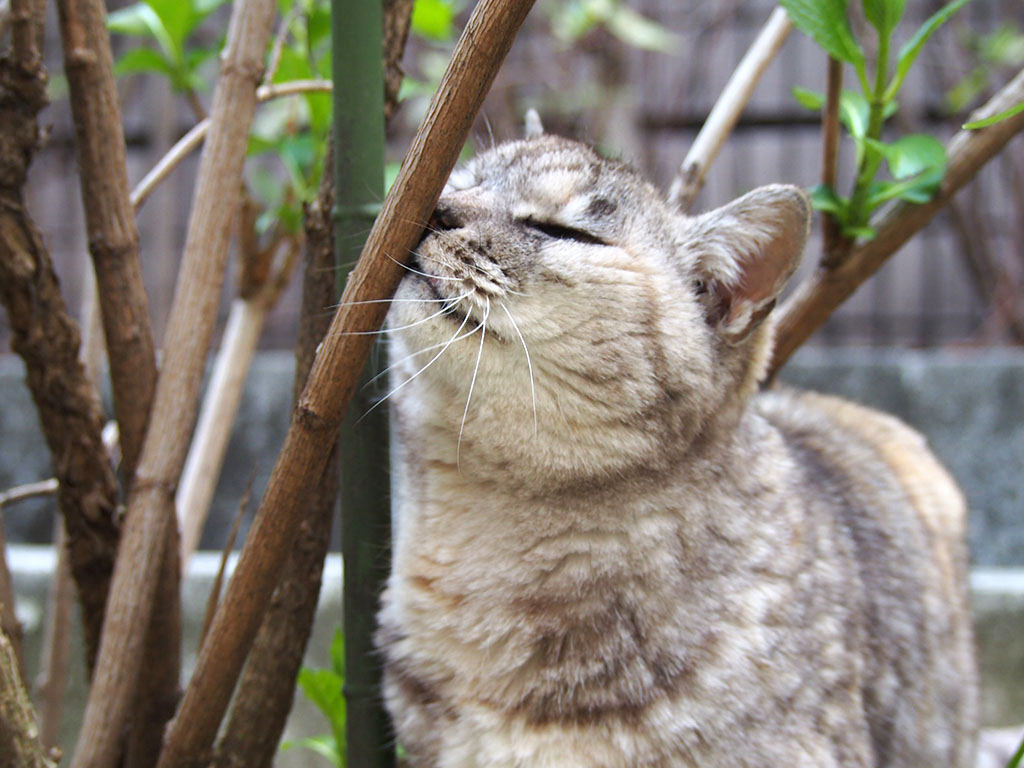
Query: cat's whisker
point(390, 301)
point(472, 381)
point(529, 366)
point(421, 351)
point(450, 341)
point(490, 130)
point(443, 310)
point(424, 274)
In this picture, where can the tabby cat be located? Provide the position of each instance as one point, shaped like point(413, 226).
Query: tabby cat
point(611, 550)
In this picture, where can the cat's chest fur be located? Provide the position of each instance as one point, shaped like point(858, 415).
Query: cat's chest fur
point(609, 551)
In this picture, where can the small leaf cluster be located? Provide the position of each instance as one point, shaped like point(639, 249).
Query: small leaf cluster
point(993, 52)
point(572, 19)
point(169, 25)
point(916, 162)
point(292, 133)
point(323, 687)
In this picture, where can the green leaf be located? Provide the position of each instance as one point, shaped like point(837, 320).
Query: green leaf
point(434, 19)
point(909, 51)
point(854, 113)
point(1004, 47)
point(985, 122)
point(864, 232)
point(967, 90)
point(338, 650)
point(324, 688)
point(916, 189)
point(130, 20)
point(139, 60)
point(205, 7)
point(178, 17)
point(913, 154)
point(824, 198)
point(318, 27)
point(293, 65)
point(194, 59)
point(640, 32)
point(884, 15)
point(259, 145)
point(325, 746)
point(917, 162)
point(826, 22)
point(142, 21)
point(807, 98)
point(1018, 757)
point(573, 19)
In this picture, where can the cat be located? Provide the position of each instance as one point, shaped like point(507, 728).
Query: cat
point(611, 549)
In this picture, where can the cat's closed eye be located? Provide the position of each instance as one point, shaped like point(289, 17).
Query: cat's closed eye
point(562, 232)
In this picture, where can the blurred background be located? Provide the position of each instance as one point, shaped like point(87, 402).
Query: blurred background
point(637, 79)
point(934, 337)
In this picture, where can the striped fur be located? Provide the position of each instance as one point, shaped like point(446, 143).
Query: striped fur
point(610, 551)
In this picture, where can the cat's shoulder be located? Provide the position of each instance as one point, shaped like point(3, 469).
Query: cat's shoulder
point(862, 437)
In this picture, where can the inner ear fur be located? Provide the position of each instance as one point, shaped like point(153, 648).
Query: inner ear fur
point(746, 251)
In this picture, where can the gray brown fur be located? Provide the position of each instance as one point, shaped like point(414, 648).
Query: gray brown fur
point(638, 561)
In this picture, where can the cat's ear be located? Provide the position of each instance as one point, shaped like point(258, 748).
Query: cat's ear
point(533, 128)
point(746, 251)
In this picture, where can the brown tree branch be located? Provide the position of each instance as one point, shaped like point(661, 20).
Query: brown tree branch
point(28, 28)
point(832, 239)
point(720, 122)
point(481, 49)
point(47, 339)
point(19, 738)
point(815, 299)
point(397, 17)
point(124, 309)
point(150, 519)
point(9, 623)
point(109, 218)
point(266, 688)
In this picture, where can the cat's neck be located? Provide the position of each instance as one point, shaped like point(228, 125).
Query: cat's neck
point(440, 494)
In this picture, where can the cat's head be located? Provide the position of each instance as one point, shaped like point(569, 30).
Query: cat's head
point(562, 314)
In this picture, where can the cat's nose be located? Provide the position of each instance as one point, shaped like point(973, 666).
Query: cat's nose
point(445, 217)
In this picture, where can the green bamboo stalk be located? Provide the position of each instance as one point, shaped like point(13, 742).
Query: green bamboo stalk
point(358, 75)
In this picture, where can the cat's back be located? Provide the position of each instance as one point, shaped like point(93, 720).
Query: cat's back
point(905, 518)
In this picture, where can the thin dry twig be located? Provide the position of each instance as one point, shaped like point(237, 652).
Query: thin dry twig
point(225, 556)
point(197, 134)
point(53, 668)
point(816, 298)
point(727, 109)
point(223, 395)
point(484, 43)
point(150, 520)
point(28, 491)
